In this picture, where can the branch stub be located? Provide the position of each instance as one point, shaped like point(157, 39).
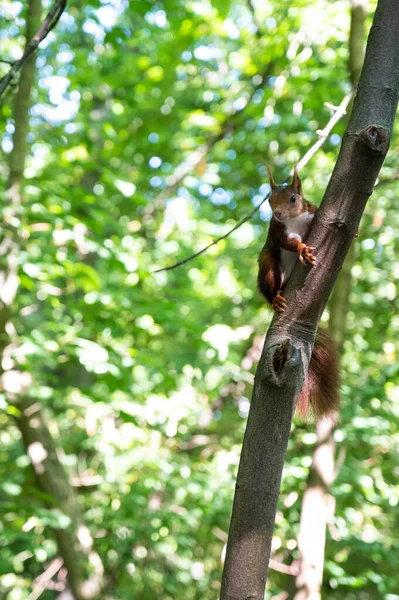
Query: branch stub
point(376, 138)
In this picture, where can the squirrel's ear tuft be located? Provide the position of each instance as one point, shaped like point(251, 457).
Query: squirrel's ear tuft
point(296, 182)
point(272, 184)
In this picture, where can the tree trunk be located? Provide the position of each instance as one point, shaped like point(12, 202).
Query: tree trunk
point(74, 543)
point(315, 510)
point(289, 342)
point(314, 516)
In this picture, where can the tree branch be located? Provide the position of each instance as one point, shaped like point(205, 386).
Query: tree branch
point(48, 24)
point(315, 513)
point(85, 570)
point(338, 113)
point(219, 239)
point(282, 568)
point(41, 582)
point(289, 342)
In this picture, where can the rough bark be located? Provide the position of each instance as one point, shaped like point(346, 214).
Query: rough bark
point(316, 506)
point(75, 543)
point(289, 342)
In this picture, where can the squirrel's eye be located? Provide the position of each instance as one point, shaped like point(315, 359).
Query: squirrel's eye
point(293, 199)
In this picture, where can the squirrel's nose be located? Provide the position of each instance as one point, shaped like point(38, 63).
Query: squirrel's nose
point(277, 213)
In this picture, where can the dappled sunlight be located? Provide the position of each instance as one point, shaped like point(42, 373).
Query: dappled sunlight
point(151, 125)
point(220, 336)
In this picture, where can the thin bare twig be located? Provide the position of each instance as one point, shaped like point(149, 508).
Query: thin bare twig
point(48, 24)
point(338, 113)
point(86, 480)
point(281, 596)
point(41, 582)
point(186, 260)
point(276, 565)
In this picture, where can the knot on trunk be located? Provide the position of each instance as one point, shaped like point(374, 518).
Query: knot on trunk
point(281, 359)
point(376, 138)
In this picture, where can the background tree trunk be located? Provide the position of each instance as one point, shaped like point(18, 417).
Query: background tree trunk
point(316, 504)
point(289, 342)
point(74, 543)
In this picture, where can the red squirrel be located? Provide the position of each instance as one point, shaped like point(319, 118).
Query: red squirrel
point(289, 226)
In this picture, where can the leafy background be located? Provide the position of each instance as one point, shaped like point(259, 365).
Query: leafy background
point(151, 126)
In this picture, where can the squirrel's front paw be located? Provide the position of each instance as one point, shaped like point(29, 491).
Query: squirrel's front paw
point(306, 255)
point(279, 304)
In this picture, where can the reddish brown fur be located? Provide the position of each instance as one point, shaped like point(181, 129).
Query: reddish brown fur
point(269, 277)
point(320, 393)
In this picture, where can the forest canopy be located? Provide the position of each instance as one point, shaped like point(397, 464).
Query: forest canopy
point(150, 127)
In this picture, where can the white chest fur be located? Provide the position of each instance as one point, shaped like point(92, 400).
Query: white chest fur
point(296, 228)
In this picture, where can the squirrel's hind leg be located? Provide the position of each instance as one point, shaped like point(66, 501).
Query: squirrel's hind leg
point(269, 275)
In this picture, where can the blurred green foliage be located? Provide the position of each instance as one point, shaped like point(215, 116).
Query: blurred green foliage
point(146, 377)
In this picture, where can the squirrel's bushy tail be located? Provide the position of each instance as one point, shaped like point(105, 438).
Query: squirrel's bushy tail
point(320, 392)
